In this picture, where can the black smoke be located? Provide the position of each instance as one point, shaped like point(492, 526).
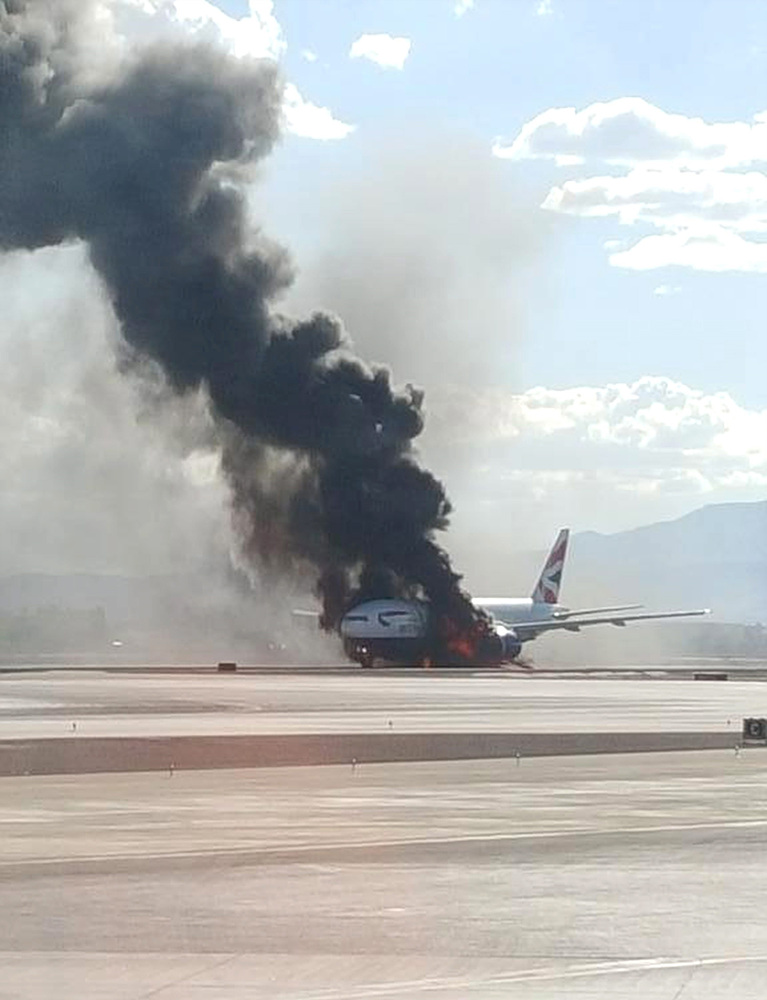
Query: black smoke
point(140, 164)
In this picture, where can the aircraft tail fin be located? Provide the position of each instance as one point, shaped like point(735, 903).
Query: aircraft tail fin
point(547, 588)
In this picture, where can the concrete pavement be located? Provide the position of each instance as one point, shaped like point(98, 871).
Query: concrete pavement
point(47, 705)
point(639, 876)
point(615, 876)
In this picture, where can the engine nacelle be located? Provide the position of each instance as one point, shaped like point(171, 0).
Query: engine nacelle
point(510, 644)
point(501, 645)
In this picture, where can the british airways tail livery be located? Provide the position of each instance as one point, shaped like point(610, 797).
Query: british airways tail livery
point(547, 589)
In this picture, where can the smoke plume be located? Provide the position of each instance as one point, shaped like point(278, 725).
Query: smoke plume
point(139, 161)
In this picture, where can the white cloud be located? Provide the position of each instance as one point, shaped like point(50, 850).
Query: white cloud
point(460, 7)
point(669, 198)
point(664, 290)
point(544, 8)
point(717, 250)
point(630, 130)
point(257, 34)
point(309, 120)
point(685, 177)
point(656, 434)
point(309, 56)
point(384, 50)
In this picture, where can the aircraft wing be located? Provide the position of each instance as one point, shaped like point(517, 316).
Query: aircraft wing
point(529, 630)
point(561, 615)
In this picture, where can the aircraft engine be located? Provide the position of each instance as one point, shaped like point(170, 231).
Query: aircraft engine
point(502, 645)
point(510, 643)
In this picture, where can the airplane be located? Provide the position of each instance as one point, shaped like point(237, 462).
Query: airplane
point(398, 631)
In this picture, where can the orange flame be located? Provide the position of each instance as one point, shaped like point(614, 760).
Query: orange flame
point(462, 643)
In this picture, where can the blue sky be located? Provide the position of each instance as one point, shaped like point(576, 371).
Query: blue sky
point(495, 68)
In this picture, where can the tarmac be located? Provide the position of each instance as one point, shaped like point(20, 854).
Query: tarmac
point(589, 876)
point(47, 704)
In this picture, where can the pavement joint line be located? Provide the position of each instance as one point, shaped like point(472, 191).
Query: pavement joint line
point(581, 971)
point(299, 849)
point(188, 976)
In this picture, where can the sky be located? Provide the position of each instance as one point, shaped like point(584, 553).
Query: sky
point(551, 214)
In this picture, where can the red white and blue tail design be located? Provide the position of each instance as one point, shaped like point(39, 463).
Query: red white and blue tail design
point(547, 589)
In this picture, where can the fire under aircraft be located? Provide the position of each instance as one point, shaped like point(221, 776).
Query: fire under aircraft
point(398, 631)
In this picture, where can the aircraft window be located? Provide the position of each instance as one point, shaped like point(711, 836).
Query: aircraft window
point(356, 618)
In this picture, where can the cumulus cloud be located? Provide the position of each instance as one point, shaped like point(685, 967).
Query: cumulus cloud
point(544, 8)
point(310, 120)
point(654, 430)
point(384, 50)
point(460, 7)
point(693, 180)
point(669, 199)
point(630, 130)
point(257, 34)
point(716, 250)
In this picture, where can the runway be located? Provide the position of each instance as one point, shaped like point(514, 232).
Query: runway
point(590, 876)
point(44, 705)
point(616, 876)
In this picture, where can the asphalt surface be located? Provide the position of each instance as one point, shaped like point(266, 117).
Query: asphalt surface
point(613, 876)
point(601, 876)
point(36, 705)
point(90, 755)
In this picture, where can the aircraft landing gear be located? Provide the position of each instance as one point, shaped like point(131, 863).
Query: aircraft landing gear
point(359, 653)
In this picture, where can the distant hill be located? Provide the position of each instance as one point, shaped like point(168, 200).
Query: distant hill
point(714, 557)
point(737, 530)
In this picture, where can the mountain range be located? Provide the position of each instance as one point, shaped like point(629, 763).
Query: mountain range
point(714, 557)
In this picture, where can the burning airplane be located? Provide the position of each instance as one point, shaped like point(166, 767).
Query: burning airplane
point(412, 631)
